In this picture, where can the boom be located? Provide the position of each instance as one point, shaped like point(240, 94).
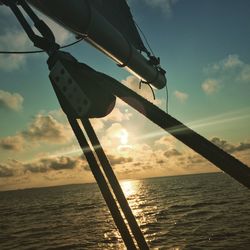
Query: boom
point(83, 18)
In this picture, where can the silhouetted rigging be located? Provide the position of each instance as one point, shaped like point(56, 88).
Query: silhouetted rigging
point(84, 93)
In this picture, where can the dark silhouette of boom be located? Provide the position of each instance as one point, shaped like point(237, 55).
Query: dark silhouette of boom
point(108, 26)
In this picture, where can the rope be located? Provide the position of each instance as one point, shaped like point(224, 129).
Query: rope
point(40, 51)
point(145, 38)
point(148, 83)
point(167, 97)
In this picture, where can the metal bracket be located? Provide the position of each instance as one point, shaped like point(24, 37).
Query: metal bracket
point(69, 88)
point(46, 41)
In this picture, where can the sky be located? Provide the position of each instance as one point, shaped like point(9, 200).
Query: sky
point(204, 47)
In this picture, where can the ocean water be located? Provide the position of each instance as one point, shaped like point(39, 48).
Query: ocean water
point(208, 211)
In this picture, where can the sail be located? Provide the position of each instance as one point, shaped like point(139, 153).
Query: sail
point(118, 13)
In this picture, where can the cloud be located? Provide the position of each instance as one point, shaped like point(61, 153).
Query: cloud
point(228, 147)
point(117, 116)
point(229, 70)
point(54, 164)
point(244, 73)
point(42, 165)
point(144, 161)
point(190, 159)
point(114, 130)
point(210, 86)
point(185, 160)
point(45, 128)
point(166, 141)
point(165, 6)
point(46, 171)
point(61, 34)
point(97, 124)
point(172, 152)
point(112, 137)
point(13, 143)
point(13, 38)
point(5, 171)
point(223, 144)
point(181, 96)
point(116, 160)
point(243, 146)
point(11, 101)
point(231, 62)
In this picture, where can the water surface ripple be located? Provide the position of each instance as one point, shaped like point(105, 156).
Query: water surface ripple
point(208, 211)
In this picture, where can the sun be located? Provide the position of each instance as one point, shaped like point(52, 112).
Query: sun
point(123, 137)
point(123, 141)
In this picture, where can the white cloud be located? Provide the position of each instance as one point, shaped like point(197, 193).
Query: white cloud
point(62, 35)
point(45, 128)
point(231, 69)
point(245, 73)
point(11, 101)
point(229, 147)
point(42, 129)
point(117, 116)
point(13, 41)
point(165, 6)
point(97, 123)
point(144, 161)
point(13, 38)
point(166, 141)
point(231, 62)
point(210, 86)
point(117, 139)
point(181, 96)
point(115, 130)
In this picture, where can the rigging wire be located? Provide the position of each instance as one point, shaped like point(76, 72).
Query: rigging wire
point(153, 93)
point(40, 51)
point(148, 53)
point(146, 40)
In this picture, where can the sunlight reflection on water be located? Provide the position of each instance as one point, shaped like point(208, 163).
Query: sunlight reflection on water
point(129, 187)
point(185, 212)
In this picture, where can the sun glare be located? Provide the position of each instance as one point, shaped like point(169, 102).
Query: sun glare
point(123, 136)
point(129, 187)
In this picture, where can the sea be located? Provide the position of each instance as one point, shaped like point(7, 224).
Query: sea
point(203, 211)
